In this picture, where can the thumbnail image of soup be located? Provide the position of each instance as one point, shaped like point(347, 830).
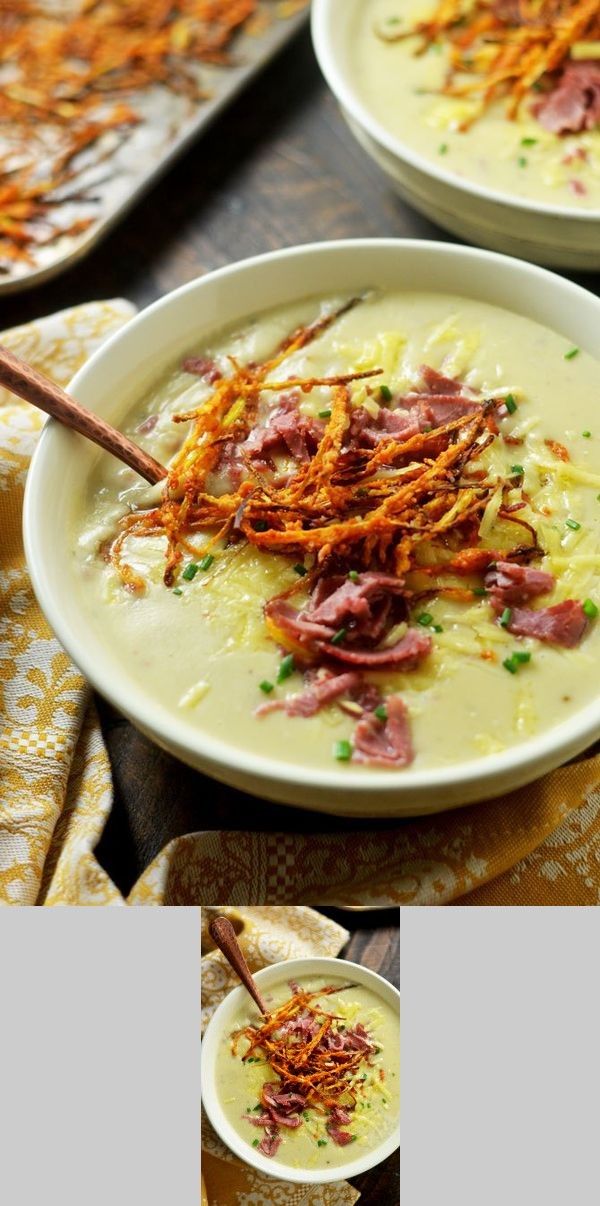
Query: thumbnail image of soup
point(378, 543)
point(326, 1089)
point(469, 91)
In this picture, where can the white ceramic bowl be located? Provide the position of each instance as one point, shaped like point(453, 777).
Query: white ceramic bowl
point(120, 372)
point(546, 234)
point(292, 969)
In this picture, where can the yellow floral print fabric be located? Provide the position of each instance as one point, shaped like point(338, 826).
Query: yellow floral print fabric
point(266, 935)
point(536, 846)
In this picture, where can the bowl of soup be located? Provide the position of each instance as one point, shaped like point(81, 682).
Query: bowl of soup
point(325, 1105)
point(370, 584)
point(515, 178)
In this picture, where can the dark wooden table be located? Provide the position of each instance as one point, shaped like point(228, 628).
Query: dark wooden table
point(280, 167)
point(374, 943)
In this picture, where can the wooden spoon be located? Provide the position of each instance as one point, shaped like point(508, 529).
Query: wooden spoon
point(223, 933)
point(21, 379)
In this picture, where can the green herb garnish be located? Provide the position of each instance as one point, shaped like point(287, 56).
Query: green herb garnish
point(385, 392)
point(338, 636)
point(342, 750)
point(353, 575)
point(177, 590)
point(286, 667)
point(590, 609)
point(510, 404)
point(518, 470)
point(301, 570)
point(266, 686)
point(190, 571)
point(425, 619)
point(324, 414)
point(206, 562)
point(571, 354)
point(505, 618)
point(572, 524)
point(381, 712)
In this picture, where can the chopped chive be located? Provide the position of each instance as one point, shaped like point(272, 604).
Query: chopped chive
point(510, 665)
point(528, 142)
point(364, 1076)
point(381, 712)
point(324, 414)
point(385, 392)
point(505, 618)
point(479, 590)
point(190, 571)
point(590, 609)
point(338, 636)
point(598, 498)
point(586, 434)
point(572, 524)
point(353, 574)
point(300, 569)
point(436, 628)
point(522, 161)
point(321, 1143)
point(510, 404)
point(248, 1109)
point(261, 525)
point(342, 750)
point(518, 470)
point(287, 667)
point(430, 428)
point(522, 657)
point(443, 148)
point(570, 354)
point(177, 590)
point(377, 1050)
point(258, 1109)
point(206, 562)
point(255, 1142)
point(425, 619)
point(306, 1115)
point(266, 686)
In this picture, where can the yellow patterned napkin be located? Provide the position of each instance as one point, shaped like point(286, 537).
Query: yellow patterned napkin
point(266, 935)
point(539, 845)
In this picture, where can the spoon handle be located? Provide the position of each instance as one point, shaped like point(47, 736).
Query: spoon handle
point(223, 933)
point(22, 379)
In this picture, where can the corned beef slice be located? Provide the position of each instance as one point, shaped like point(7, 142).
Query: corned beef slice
point(339, 1137)
point(563, 624)
point(383, 743)
point(407, 653)
point(509, 584)
point(269, 1144)
point(574, 104)
point(319, 693)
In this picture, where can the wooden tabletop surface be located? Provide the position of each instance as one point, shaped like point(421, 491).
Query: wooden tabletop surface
point(279, 167)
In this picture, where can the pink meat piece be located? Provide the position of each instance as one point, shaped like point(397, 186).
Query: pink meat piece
point(309, 702)
point(357, 1039)
point(287, 428)
point(436, 410)
point(269, 1144)
point(339, 1116)
point(296, 623)
point(405, 654)
point(291, 1102)
point(290, 1120)
point(510, 584)
point(303, 1027)
point(384, 742)
point(203, 366)
point(437, 383)
point(339, 1137)
point(564, 624)
point(352, 600)
point(230, 463)
point(574, 104)
point(263, 1120)
point(365, 431)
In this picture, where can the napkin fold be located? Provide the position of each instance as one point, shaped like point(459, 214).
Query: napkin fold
point(536, 846)
point(266, 936)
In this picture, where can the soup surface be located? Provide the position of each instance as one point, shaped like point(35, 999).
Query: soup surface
point(364, 1029)
point(461, 669)
point(403, 91)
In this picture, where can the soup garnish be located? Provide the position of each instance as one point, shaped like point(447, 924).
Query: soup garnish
point(545, 50)
point(384, 502)
point(324, 1069)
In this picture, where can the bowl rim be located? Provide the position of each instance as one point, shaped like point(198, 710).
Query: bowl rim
point(350, 101)
point(149, 714)
point(314, 965)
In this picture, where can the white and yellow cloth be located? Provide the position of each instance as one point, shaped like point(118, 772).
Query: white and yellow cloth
point(266, 936)
point(538, 845)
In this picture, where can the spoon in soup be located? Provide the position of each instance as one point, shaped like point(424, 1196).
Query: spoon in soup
point(25, 381)
point(223, 933)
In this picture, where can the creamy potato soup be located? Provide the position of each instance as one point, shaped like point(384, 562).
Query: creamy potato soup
point(550, 156)
point(340, 1097)
point(380, 551)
